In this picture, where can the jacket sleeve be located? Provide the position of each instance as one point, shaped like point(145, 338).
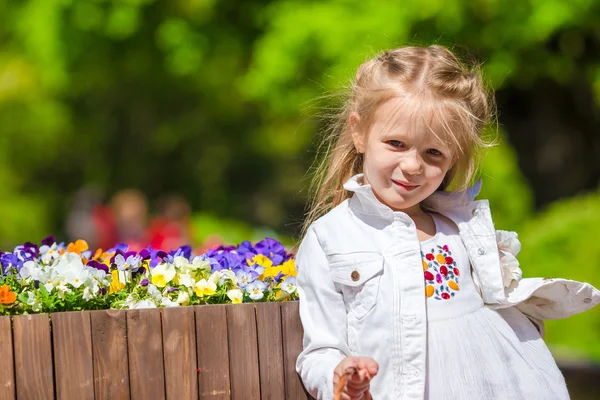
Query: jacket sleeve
point(323, 316)
point(540, 298)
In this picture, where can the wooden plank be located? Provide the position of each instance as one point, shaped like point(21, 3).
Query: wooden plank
point(7, 372)
point(179, 344)
point(270, 351)
point(145, 351)
point(33, 357)
point(292, 346)
point(72, 341)
point(243, 351)
point(109, 348)
point(213, 352)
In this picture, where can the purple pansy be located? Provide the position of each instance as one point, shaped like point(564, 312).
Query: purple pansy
point(48, 241)
point(183, 251)
point(246, 250)
point(98, 265)
point(245, 275)
point(214, 264)
point(271, 249)
point(229, 260)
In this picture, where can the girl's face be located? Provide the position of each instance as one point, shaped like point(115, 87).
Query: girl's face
point(404, 161)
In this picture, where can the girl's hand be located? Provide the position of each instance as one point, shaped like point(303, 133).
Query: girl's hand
point(352, 378)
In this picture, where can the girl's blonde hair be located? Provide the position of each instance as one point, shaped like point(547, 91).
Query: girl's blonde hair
point(431, 73)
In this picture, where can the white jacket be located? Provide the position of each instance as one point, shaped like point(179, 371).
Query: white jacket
point(379, 312)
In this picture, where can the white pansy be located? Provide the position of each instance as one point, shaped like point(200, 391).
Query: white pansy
point(509, 247)
point(186, 280)
point(181, 263)
point(215, 276)
point(87, 293)
point(167, 302)
point(28, 269)
point(62, 289)
point(49, 253)
point(68, 262)
point(77, 277)
point(183, 298)
point(235, 295)
point(201, 265)
point(289, 285)
point(154, 293)
point(222, 276)
point(163, 274)
point(145, 304)
point(33, 302)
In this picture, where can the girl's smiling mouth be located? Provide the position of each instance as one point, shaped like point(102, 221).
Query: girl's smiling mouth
point(405, 185)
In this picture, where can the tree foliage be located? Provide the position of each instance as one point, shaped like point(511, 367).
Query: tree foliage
point(220, 101)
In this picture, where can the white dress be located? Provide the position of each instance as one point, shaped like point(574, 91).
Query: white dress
point(474, 352)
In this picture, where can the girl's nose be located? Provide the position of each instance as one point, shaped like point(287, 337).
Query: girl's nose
point(411, 164)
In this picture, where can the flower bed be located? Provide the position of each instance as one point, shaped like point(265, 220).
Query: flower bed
point(57, 277)
point(112, 349)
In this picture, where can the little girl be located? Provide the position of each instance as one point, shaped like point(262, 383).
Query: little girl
point(406, 289)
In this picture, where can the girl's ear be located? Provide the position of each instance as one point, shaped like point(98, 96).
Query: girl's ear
point(358, 137)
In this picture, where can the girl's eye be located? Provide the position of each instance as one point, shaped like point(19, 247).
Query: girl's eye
point(396, 143)
point(434, 152)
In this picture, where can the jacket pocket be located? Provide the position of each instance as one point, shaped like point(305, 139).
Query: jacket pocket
point(359, 282)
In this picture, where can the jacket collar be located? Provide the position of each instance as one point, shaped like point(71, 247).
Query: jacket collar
point(364, 201)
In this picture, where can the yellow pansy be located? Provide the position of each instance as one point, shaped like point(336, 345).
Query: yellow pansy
point(115, 284)
point(270, 272)
point(163, 274)
point(236, 296)
point(263, 261)
point(205, 288)
point(289, 267)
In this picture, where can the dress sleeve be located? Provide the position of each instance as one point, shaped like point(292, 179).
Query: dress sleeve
point(323, 316)
point(540, 298)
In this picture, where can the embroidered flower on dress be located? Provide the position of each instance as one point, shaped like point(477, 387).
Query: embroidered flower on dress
point(508, 248)
point(441, 273)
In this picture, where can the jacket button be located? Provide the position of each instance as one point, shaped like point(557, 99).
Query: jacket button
point(475, 212)
point(355, 275)
point(587, 300)
point(481, 251)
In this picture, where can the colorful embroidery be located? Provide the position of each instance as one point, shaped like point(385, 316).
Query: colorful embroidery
point(441, 273)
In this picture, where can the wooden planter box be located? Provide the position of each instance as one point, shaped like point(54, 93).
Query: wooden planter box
point(242, 351)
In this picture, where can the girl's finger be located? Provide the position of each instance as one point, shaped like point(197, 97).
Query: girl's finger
point(353, 392)
point(360, 386)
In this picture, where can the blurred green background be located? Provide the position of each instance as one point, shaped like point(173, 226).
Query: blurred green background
point(219, 101)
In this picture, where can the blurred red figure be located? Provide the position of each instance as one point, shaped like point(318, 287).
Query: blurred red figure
point(172, 227)
point(106, 227)
point(130, 209)
point(89, 219)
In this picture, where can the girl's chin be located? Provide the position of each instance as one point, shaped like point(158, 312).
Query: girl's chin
point(400, 204)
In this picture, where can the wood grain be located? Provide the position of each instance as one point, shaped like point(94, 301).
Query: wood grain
point(7, 372)
point(109, 348)
point(179, 344)
point(270, 351)
point(145, 352)
point(292, 346)
point(33, 357)
point(213, 352)
point(72, 341)
point(243, 351)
